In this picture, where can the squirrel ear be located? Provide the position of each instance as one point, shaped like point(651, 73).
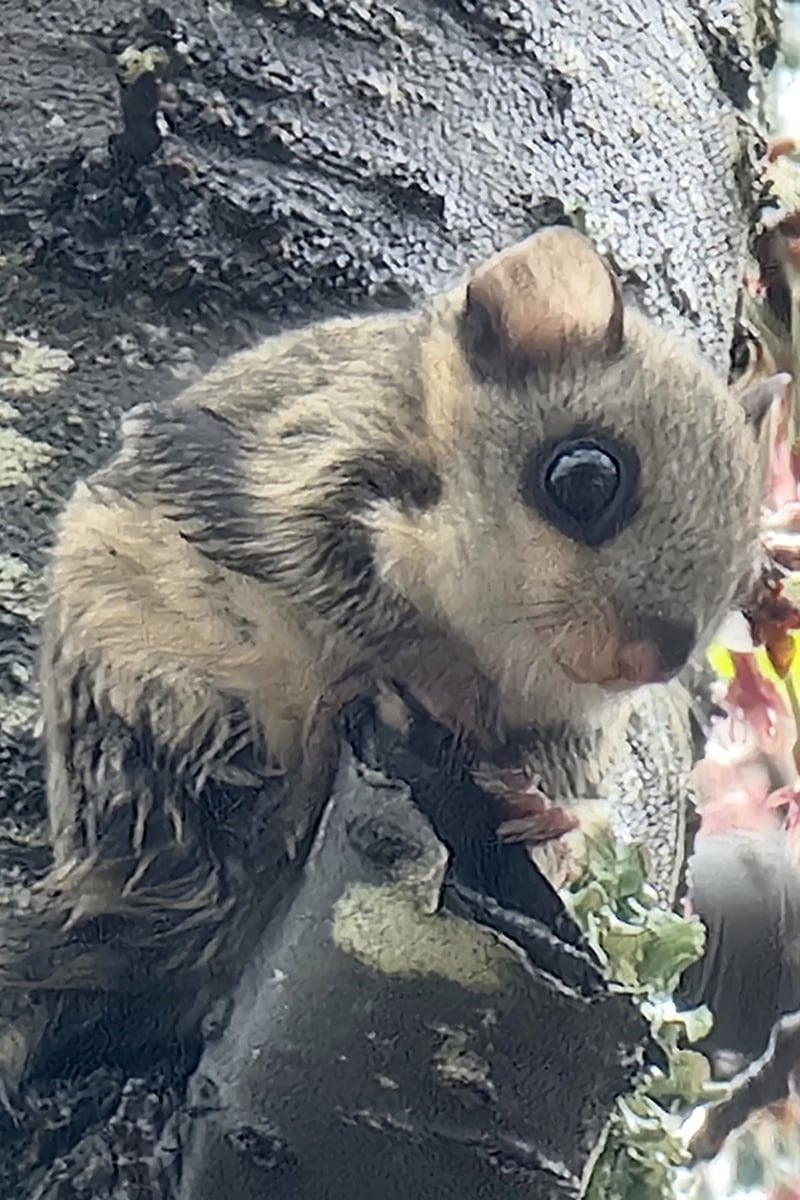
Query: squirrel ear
point(759, 398)
point(541, 301)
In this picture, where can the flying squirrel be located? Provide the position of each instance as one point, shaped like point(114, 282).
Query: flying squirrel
point(516, 505)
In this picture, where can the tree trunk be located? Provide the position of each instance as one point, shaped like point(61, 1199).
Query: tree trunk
point(243, 166)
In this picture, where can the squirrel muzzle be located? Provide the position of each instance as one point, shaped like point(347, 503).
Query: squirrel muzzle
point(624, 653)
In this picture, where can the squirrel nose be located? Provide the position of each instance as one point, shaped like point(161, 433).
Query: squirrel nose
point(655, 648)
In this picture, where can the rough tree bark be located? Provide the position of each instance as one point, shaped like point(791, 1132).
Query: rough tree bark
point(246, 164)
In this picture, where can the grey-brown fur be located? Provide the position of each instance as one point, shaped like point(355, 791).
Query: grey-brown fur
point(338, 511)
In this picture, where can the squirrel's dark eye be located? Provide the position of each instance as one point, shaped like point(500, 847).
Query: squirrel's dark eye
point(582, 482)
point(586, 488)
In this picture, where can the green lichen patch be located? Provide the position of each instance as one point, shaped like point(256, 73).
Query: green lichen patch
point(385, 930)
point(20, 455)
point(646, 949)
point(22, 590)
point(643, 946)
point(18, 713)
point(29, 368)
point(133, 63)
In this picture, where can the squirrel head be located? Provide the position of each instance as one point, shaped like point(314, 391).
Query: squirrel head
point(600, 486)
